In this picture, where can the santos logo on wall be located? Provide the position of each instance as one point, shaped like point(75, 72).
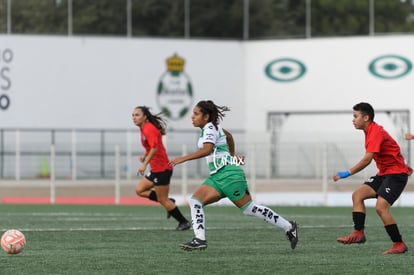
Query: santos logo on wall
point(175, 93)
point(390, 66)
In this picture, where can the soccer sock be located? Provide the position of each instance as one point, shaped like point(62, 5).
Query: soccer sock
point(263, 212)
point(393, 232)
point(176, 213)
point(197, 216)
point(359, 220)
point(153, 196)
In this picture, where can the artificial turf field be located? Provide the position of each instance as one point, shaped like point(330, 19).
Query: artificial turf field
point(75, 239)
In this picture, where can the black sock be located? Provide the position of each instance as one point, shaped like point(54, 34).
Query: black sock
point(359, 220)
point(153, 196)
point(176, 213)
point(393, 232)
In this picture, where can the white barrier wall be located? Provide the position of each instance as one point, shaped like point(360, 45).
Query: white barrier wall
point(96, 82)
point(76, 82)
point(337, 75)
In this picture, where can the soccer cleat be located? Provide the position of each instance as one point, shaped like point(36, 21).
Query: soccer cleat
point(194, 244)
point(356, 237)
point(397, 248)
point(168, 213)
point(183, 226)
point(292, 235)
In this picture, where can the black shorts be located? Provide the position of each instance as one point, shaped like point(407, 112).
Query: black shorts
point(160, 178)
point(389, 187)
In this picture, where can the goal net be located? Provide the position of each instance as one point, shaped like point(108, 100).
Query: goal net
point(303, 143)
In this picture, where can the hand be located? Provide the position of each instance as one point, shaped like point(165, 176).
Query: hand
point(141, 169)
point(341, 175)
point(408, 136)
point(176, 161)
point(142, 158)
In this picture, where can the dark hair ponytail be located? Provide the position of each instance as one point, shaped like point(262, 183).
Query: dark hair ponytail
point(157, 119)
point(216, 113)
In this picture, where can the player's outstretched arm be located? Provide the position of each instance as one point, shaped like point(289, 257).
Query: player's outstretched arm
point(364, 162)
point(409, 136)
point(203, 152)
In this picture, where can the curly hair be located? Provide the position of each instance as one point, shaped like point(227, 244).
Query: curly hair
point(215, 112)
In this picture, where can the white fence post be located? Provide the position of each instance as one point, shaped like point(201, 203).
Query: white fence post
point(252, 164)
point(17, 164)
point(117, 176)
point(325, 174)
point(74, 160)
point(52, 175)
point(128, 155)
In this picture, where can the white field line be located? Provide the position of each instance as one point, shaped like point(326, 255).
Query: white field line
point(92, 218)
point(109, 229)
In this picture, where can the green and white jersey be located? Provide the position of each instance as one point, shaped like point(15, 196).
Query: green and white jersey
point(220, 156)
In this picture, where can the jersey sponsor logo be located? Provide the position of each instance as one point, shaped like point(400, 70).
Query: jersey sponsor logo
point(236, 193)
point(390, 66)
point(199, 217)
point(285, 70)
point(175, 91)
point(370, 180)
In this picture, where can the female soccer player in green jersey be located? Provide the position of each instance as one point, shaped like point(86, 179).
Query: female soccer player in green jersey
point(226, 178)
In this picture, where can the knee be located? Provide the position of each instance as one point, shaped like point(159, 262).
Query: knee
point(354, 196)
point(381, 211)
point(357, 197)
point(139, 191)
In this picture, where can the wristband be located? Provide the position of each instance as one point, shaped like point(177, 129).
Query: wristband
point(344, 174)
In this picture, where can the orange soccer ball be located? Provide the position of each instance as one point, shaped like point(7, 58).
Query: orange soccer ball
point(13, 241)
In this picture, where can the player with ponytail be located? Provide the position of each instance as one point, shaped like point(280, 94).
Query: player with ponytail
point(227, 178)
point(156, 183)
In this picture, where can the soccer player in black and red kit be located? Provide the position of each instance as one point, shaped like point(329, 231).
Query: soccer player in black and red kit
point(386, 186)
point(156, 184)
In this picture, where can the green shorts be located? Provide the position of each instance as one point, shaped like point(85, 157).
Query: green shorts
point(229, 181)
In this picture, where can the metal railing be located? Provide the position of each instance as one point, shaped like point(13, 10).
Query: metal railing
point(78, 154)
point(83, 153)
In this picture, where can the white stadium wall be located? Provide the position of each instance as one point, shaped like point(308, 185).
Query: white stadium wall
point(336, 76)
point(84, 82)
point(66, 82)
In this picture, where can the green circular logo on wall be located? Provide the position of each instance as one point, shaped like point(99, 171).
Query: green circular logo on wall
point(285, 69)
point(390, 66)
